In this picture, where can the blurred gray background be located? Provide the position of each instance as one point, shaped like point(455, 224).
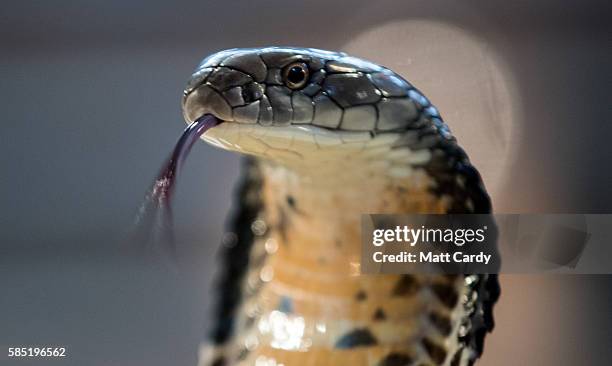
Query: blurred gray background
point(90, 95)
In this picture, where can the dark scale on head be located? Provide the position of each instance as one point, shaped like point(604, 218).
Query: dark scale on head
point(406, 286)
point(356, 338)
point(379, 315)
point(446, 293)
point(361, 295)
point(396, 359)
point(436, 352)
point(251, 92)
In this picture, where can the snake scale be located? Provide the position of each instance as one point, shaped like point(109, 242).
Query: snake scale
point(328, 137)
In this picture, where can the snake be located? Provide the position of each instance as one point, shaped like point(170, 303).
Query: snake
point(327, 137)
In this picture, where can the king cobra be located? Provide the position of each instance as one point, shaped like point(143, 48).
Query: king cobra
point(329, 137)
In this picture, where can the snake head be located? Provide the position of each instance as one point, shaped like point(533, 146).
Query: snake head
point(299, 91)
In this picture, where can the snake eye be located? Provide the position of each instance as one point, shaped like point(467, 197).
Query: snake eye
point(295, 75)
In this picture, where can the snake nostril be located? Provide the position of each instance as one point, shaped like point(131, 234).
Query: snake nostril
point(252, 92)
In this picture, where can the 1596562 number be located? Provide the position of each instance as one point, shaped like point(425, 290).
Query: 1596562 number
point(37, 352)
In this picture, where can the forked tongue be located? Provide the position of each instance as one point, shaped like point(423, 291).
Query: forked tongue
point(154, 224)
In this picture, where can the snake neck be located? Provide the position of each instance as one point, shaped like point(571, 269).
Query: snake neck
point(314, 210)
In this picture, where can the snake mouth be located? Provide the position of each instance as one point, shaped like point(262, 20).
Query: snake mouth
point(192, 133)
